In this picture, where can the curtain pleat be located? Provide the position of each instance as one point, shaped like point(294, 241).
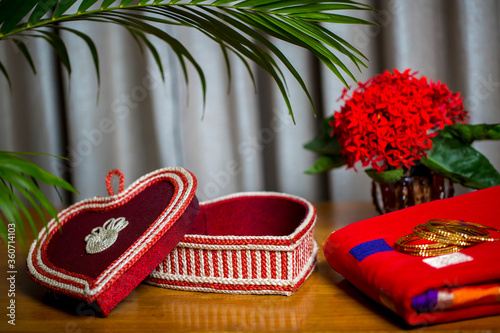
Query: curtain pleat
point(31, 117)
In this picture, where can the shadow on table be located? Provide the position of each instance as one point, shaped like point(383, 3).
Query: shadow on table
point(71, 305)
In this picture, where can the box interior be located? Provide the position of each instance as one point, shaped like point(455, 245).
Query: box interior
point(249, 216)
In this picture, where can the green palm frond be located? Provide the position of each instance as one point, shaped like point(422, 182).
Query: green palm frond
point(237, 26)
point(19, 179)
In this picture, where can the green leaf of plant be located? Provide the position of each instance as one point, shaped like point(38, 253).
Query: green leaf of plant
point(469, 133)
point(342, 41)
point(325, 163)
point(460, 162)
point(33, 190)
point(324, 143)
point(62, 7)
point(59, 47)
point(125, 2)
point(279, 30)
point(228, 65)
point(155, 54)
point(135, 36)
point(6, 205)
point(252, 3)
point(334, 5)
point(24, 51)
point(32, 154)
point(332, 18)
point(7, 208)
point(92, 49)
point(221, 2)
point(86, 4)
point(255, 21)
point(23, 165)
point(249, 49)
point(3, 229)
point(239, 43)
point(8, 177)
point(290, 23)
point(239, 46)
point(153, 10)
point(107, 3)
point(325, 36)
point(40, 10)
point(4, 9)
point(176, 46)
point(317, 46)
point(17, 10)
point(17, 204)
point(385, 177)
point(315, 7)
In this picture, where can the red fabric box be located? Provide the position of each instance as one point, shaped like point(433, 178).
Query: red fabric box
point(245, 243)
point(108, 245)
point(430, 290)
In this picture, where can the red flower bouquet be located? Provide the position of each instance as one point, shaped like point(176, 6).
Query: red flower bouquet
point(395, 122)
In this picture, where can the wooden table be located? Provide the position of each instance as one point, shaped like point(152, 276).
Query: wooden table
point(326, 302)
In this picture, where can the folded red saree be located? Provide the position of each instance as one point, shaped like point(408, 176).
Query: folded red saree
point(424, 290)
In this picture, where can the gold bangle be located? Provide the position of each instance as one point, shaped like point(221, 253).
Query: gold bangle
point(472, 231)
point(405, 243)
point(442, 227)
point(440, 236)
point(434, 252)
point(424, 233)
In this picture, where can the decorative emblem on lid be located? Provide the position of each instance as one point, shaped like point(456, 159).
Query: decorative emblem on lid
point(103, 237)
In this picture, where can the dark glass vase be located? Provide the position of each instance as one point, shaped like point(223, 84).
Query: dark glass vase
point(410, 191)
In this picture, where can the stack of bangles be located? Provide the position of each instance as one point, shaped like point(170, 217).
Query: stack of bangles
point(438, 236)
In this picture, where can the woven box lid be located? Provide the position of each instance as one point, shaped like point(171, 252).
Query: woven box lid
point(108, 245)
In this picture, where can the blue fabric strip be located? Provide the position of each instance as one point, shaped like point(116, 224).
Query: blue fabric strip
point(363, 250)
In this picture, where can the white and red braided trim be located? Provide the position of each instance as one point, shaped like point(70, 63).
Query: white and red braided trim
point(242, 265)
point(45, 273)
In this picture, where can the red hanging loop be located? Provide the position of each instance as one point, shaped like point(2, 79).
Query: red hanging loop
point(121, 179)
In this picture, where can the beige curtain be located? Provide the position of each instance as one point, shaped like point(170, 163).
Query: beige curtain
point(241, 140)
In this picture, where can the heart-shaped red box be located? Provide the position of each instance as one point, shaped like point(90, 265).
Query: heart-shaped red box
point(244, 243)
point(106, 246)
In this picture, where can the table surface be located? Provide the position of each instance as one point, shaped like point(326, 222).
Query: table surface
point(326, 302)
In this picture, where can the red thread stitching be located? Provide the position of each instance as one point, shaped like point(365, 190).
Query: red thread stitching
point(244, 264)
point(254, 264)
point(224, 264)
point(263, 264)
point(273, 265)
point(207, 263)
point(215, 263)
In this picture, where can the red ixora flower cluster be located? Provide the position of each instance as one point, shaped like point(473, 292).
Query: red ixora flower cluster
point(389, 121)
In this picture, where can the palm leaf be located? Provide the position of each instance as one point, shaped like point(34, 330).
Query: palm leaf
point(14, 12)
point(92, 49)
point(21, 235)
point(24, 50)
point(225, 22)
point(18, 175)
point(40, 10)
